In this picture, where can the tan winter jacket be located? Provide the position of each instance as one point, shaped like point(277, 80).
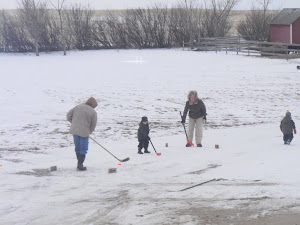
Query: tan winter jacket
point(83, 119)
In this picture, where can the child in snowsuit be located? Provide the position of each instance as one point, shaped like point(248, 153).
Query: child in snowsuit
point(287, 126)
point(143, 135)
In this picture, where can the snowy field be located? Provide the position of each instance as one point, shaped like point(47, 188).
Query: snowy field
point(257, 177)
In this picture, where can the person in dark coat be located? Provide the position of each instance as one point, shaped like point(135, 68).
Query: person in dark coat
point(287, 126)
point(197, 117)
point(143, 135)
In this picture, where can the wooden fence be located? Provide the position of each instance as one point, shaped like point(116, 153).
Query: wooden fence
point(242, 46)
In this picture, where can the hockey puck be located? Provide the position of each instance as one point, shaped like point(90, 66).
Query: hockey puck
point(217, 146)
point(112, 170)
point(53, 168)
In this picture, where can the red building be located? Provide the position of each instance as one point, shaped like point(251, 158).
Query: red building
point(285, 27)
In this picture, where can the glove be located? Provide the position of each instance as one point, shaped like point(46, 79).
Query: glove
point(149, 138)
point(204, 119)
point(295, 131)
point(183, 121)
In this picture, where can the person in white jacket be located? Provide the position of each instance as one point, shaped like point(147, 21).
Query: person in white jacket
point(83, 119)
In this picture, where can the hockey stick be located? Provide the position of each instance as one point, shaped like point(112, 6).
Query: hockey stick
point(202, 183)
point(199, 184)
point(158, 154)
point(191, 143)
point(124, 160)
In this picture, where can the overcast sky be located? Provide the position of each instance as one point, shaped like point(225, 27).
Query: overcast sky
point(123, 4)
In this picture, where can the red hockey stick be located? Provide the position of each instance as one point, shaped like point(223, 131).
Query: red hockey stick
point(158, 154)
point(191, 143)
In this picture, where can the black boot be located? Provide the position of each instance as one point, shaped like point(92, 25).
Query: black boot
point(199, 145)
point(146, 151)
point(80, 163)
point(188, 145)
point(140, 151)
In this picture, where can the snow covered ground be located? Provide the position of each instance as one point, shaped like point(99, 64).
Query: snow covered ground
point(246, 98)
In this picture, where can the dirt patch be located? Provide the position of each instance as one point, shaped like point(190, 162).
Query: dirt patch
point(177, 211)
point(31, 149)
point(57, 131)
point(36, 173)
point(13, 160)
point(205, 215)
point(209, 167)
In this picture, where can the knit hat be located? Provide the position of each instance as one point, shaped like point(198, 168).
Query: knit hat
point(288, 114)
point(92, 102)
point(144, 119)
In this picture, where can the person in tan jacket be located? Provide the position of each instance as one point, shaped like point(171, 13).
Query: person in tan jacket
point(83, 119)
point(197, 117)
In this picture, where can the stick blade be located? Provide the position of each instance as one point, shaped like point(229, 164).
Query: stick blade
point(191, 143)
point(158, 154)
point(125, 160)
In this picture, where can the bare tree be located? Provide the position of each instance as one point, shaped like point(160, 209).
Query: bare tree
point(117, 32)
point(256, 24)
point(14, 35)
point(190, 7)
point(33, 14)
point(2, 24)
point(102, 34)
point(160, 28)
point(75, 27)
point(179, 24)
point(186, 22)
point(59, 7)
point(134, 28)
point(216, 17)
point(80, 27)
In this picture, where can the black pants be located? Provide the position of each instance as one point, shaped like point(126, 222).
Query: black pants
point(143, 144)
point(288, 137)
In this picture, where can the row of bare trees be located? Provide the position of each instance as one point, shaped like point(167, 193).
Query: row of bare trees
point(38, 25)
point(256, 24)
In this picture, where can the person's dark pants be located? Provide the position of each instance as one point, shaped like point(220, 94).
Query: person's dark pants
point(288, 137)
point(143, 144)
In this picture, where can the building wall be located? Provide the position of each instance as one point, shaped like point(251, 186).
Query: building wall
point(296, 31)
point(280, 33)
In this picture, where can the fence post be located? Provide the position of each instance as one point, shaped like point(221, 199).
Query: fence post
point(238, 44)
point(248, 49)
point(260, 49)
point(287, 53)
